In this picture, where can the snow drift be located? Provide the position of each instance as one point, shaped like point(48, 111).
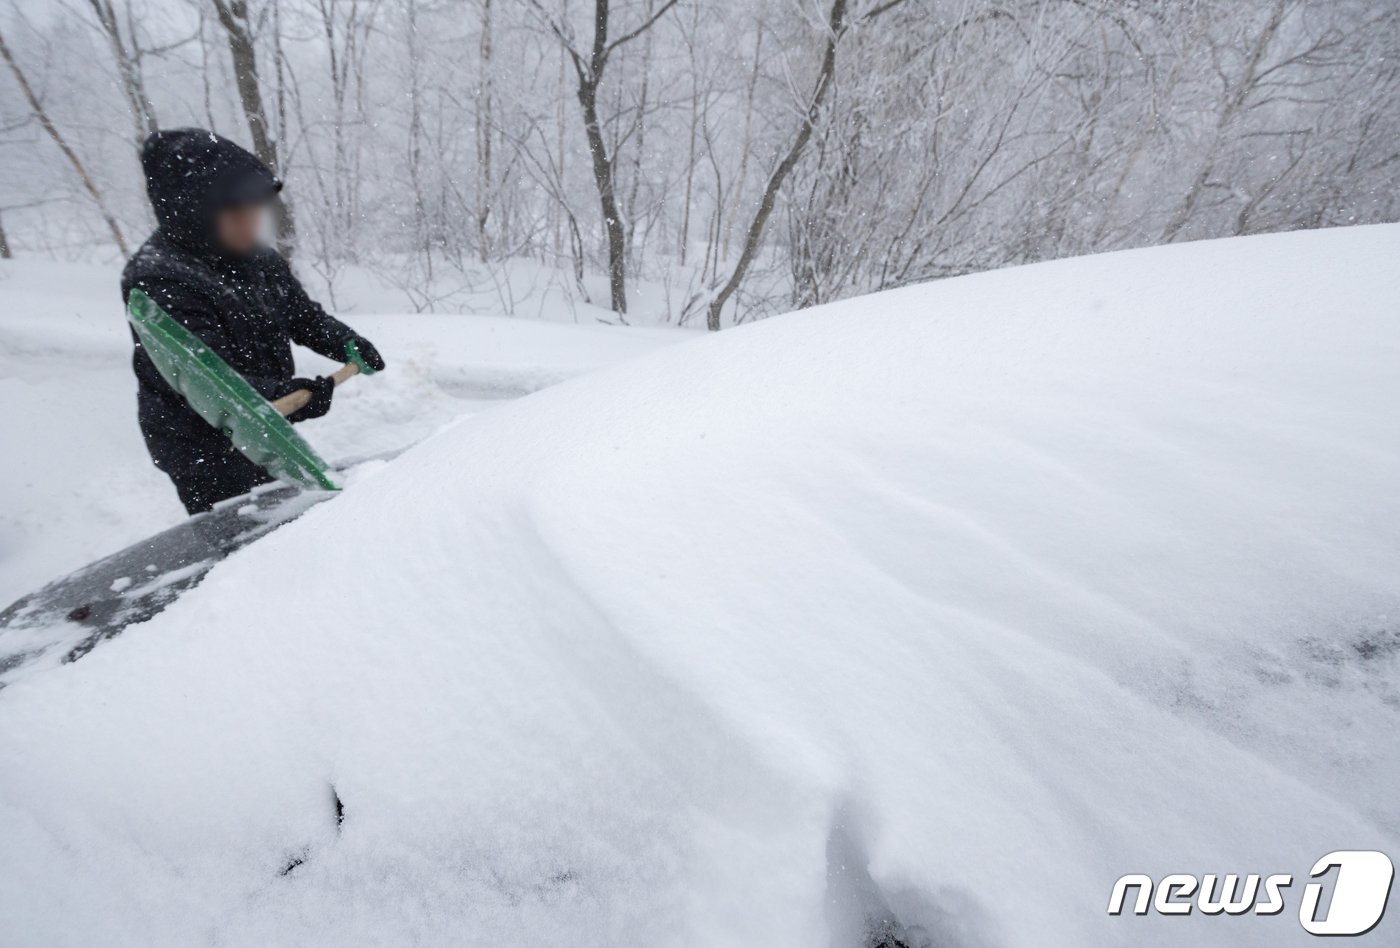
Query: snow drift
point(932, 612)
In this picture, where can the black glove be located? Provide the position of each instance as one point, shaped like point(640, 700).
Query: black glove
point(321, 388)
point(367, 352)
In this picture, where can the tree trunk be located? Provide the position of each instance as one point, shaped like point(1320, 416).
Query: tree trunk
point(639, 149)
point(133, 85)
point(754, 237)
point(746, 143)
point(485, 128)
point(590, 78)
point(607, 196)
point(233, 17)
point(1234, 104)
point(694, 126)
point(47, 124)
point(589, 70)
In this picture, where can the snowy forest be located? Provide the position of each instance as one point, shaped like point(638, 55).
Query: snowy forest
point(784, 473)
point(745, 156)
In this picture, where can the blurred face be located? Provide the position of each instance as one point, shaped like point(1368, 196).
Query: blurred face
point(239, 227)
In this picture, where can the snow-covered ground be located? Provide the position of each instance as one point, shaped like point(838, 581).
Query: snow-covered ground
point(942, 608)
point(76, 480)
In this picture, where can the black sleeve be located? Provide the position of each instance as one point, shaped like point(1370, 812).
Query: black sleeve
point(309, 324)
point(197, 313)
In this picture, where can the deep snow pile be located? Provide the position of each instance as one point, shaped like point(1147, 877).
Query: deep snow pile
point(997, 589)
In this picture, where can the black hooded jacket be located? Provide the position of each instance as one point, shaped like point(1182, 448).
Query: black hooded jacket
point(247, 309)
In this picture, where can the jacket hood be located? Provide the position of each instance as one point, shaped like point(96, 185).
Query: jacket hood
point(192, 173)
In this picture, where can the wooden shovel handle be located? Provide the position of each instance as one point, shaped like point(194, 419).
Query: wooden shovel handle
point(297, 400)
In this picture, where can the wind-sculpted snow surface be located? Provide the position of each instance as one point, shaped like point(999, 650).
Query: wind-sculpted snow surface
point(928, 614)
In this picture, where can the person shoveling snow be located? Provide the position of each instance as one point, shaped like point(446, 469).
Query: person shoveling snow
point(205, 267)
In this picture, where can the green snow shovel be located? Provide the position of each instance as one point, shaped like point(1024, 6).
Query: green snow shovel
point(219, 395)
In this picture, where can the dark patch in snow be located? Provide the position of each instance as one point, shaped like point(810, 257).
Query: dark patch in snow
point(557, 882)
point(1360, 655)
point(1379, 644)
point(886, 937)
point(297, 860)
point(856, 909)
point(857, 912)
point(300, 858)
point(18, 658)
point(860, 914)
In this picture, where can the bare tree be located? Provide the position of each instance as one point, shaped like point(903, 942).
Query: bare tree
point(588, 68)
point(46, 123)
point(128, 55)
point(744, 156)
point(485, 130)
point(1237, 95)
point(826, 73)
point(238, 32)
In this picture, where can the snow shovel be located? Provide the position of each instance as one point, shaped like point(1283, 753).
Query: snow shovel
point(222, 397)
